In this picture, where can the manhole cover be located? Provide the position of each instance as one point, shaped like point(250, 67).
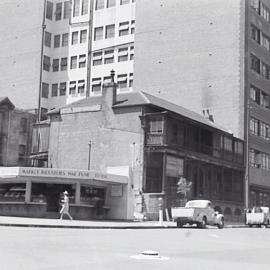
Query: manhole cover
point(149, 255)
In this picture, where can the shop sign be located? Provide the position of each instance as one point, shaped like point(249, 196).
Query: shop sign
point(47, 172)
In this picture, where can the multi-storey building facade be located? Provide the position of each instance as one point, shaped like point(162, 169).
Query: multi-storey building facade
point(216, 63)
point(69, 49)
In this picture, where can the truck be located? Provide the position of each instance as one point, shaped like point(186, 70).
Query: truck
point(258, 216)
point(199, 212)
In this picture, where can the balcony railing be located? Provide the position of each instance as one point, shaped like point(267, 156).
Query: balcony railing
point(159, 140)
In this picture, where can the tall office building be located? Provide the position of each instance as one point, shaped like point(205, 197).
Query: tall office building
point(213, 57)
point(65, 50)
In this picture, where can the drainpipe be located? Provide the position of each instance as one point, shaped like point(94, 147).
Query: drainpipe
point(89, 58)
point(41, 62)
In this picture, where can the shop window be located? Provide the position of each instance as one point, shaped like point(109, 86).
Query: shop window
point(92, 195)
point(14, 192)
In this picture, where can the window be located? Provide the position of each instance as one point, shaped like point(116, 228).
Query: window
point(111, 3)
point(264, 130)
point(47, 39)
point(76, 8)
point(45, 90)
point(66, 10)
point(98, 33)
point(82, 61)
point(64, 63)
point(266, 42)
point(123, 28)
point(108, 56)
point(54, 89)
point(265, 71)
point(72, 87)
point(255, 63)
point(75, 36)
point(96, 85)
point(256, 5)
point(107, 80)
point(23, 124)
point(255, 94)
point(63, 88)
point(156, 125)
point(97, 58)
point(56, 41)
point(55, 65)
point(81, 86)
point(132, 27)
point(110, 31)
point(58, 11)
point(65, 40)
point(83, 36)
point(122, 81)
point(46, 63)
point(73, 62)
point(99, 4)
point(265, 100)
point(123, 2)
point(254, 158)
point(131, 53)
point(238, 147)
point(84, 7)
point(264, 12)
point(227, 144)
point(255, 34)
point(254, 126)
point(49, 10)
point(130, 80)
point(122, 54)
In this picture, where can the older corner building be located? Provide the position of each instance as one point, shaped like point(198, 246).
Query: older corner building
point(212, 56)
point(64, 50)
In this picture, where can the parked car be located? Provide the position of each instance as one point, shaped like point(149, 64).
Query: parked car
point(198, 212)
point(258, 216)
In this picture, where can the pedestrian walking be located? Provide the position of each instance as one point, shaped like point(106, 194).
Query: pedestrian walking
point(65, 206)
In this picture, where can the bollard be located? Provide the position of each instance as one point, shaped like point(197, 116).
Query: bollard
point(160, 211)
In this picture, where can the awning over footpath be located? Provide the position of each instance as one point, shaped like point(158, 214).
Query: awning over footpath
point(16, 172)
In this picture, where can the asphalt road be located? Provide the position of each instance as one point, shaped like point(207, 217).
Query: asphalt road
point(81, 249)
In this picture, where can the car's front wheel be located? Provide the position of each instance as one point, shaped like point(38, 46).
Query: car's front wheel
point(221, 223)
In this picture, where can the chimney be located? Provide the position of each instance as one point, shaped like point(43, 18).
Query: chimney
point(109, 90)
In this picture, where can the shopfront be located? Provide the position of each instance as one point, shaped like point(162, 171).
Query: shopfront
point(36, 192)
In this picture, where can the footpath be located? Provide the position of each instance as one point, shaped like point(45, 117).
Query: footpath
point(91, 224)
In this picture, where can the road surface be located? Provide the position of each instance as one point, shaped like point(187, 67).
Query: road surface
point(93, 249)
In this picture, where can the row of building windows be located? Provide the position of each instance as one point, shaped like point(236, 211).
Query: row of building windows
point(124, 82)
point(259, 159)
point(101, 4)
point(259, 128)
point(112, 55)
point(76, 37)
point(63, 9)
point(124, 28)
point(260, 67)
point(260, 37)
point(261, 9)
point(259, 97)
point(60, 89)
point(76, 61)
